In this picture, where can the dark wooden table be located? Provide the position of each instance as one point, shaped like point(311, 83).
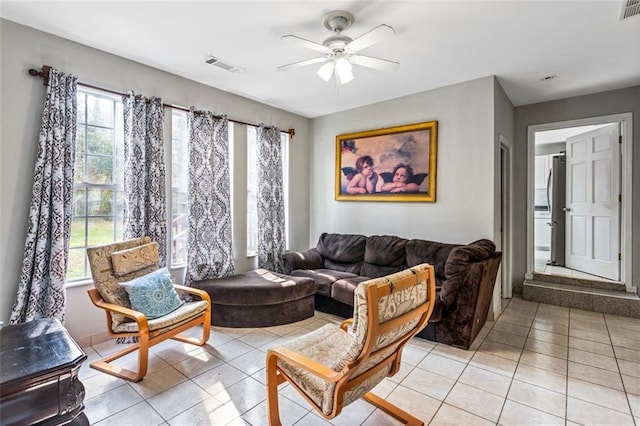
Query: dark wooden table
point(39, 364)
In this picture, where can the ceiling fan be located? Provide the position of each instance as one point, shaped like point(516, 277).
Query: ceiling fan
point(340, 51)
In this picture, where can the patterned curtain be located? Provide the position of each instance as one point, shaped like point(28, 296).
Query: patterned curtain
point(271, 226)
point(209, 253)
point(41, 291)
point(144, 171)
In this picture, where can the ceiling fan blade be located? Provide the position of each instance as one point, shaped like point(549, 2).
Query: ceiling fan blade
point(301, 64)
point(375, 63)
point(374, 36)
point(305, 43)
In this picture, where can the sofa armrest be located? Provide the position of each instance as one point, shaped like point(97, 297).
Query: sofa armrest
point(458, 267)
point(308, 259)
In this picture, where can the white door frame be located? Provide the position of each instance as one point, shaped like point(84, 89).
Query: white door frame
point(503, 287)
point(625, 120)
point(506, 192)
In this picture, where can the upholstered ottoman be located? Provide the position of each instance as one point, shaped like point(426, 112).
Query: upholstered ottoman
point(259, 298)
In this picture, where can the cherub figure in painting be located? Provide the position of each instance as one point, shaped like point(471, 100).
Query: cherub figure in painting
point(402, 180)
point(365, 180)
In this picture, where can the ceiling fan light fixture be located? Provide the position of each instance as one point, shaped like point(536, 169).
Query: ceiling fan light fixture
point(326, 71)
point(340, 51)
point(343, 70)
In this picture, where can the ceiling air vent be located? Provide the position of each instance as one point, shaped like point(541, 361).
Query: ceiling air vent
point(217, 62)
point(630, 8)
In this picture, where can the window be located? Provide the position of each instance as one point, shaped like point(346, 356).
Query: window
point(99, 178)
point(252, 188)
point(98, 199)
point(179, 187)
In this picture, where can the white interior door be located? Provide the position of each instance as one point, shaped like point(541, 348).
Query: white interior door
point(593, 205)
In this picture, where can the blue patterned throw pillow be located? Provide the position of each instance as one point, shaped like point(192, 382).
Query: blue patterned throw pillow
point(153, 294)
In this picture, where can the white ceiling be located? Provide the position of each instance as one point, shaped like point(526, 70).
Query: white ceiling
point(437, 43)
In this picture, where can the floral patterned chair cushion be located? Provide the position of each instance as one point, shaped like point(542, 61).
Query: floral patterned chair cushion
point(115, 263)
point(134, 259)
point(370, 350)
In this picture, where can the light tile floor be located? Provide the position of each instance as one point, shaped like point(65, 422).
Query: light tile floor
point(538, 364)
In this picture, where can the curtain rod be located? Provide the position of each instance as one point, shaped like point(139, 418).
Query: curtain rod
point(44, 73)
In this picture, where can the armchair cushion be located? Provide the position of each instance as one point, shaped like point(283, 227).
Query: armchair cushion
point(104, 278)
point(167, 322)
point(153, 294)
point(389, 307)
point(324, 346)
point(134, 259)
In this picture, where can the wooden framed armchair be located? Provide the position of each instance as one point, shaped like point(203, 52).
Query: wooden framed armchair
point(117, 263)
point(334, 366)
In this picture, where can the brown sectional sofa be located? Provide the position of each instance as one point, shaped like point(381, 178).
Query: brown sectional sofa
point(465, 276)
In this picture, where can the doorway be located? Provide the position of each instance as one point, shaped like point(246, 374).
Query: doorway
point(563, 244)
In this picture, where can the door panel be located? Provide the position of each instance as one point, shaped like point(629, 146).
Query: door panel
point(578, 241)
point(601, 237)
point(578, 188)
point(593, 208)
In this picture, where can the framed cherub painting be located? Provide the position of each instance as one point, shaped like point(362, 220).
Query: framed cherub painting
point(391, 164)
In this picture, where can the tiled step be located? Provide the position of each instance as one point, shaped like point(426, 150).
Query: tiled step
point(575, 295)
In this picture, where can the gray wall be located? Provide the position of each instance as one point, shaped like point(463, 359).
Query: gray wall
point(21, 108)
point(464, 207)
point(599, 104)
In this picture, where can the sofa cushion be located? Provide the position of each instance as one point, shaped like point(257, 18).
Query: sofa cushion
point(342, 252)
point(324, 278)
point(384, 255)
point(342, 290)
point(308, 259)
point(423, 251)
point(385, 250)
point(350, 268)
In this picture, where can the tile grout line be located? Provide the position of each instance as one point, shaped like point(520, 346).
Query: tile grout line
point(624, 386)
point(513, 377)
point(566, 383)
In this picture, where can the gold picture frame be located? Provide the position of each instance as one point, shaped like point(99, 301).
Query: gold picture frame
point(390, 164)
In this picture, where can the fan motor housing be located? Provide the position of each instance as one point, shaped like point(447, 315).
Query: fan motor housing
point(337, 41)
